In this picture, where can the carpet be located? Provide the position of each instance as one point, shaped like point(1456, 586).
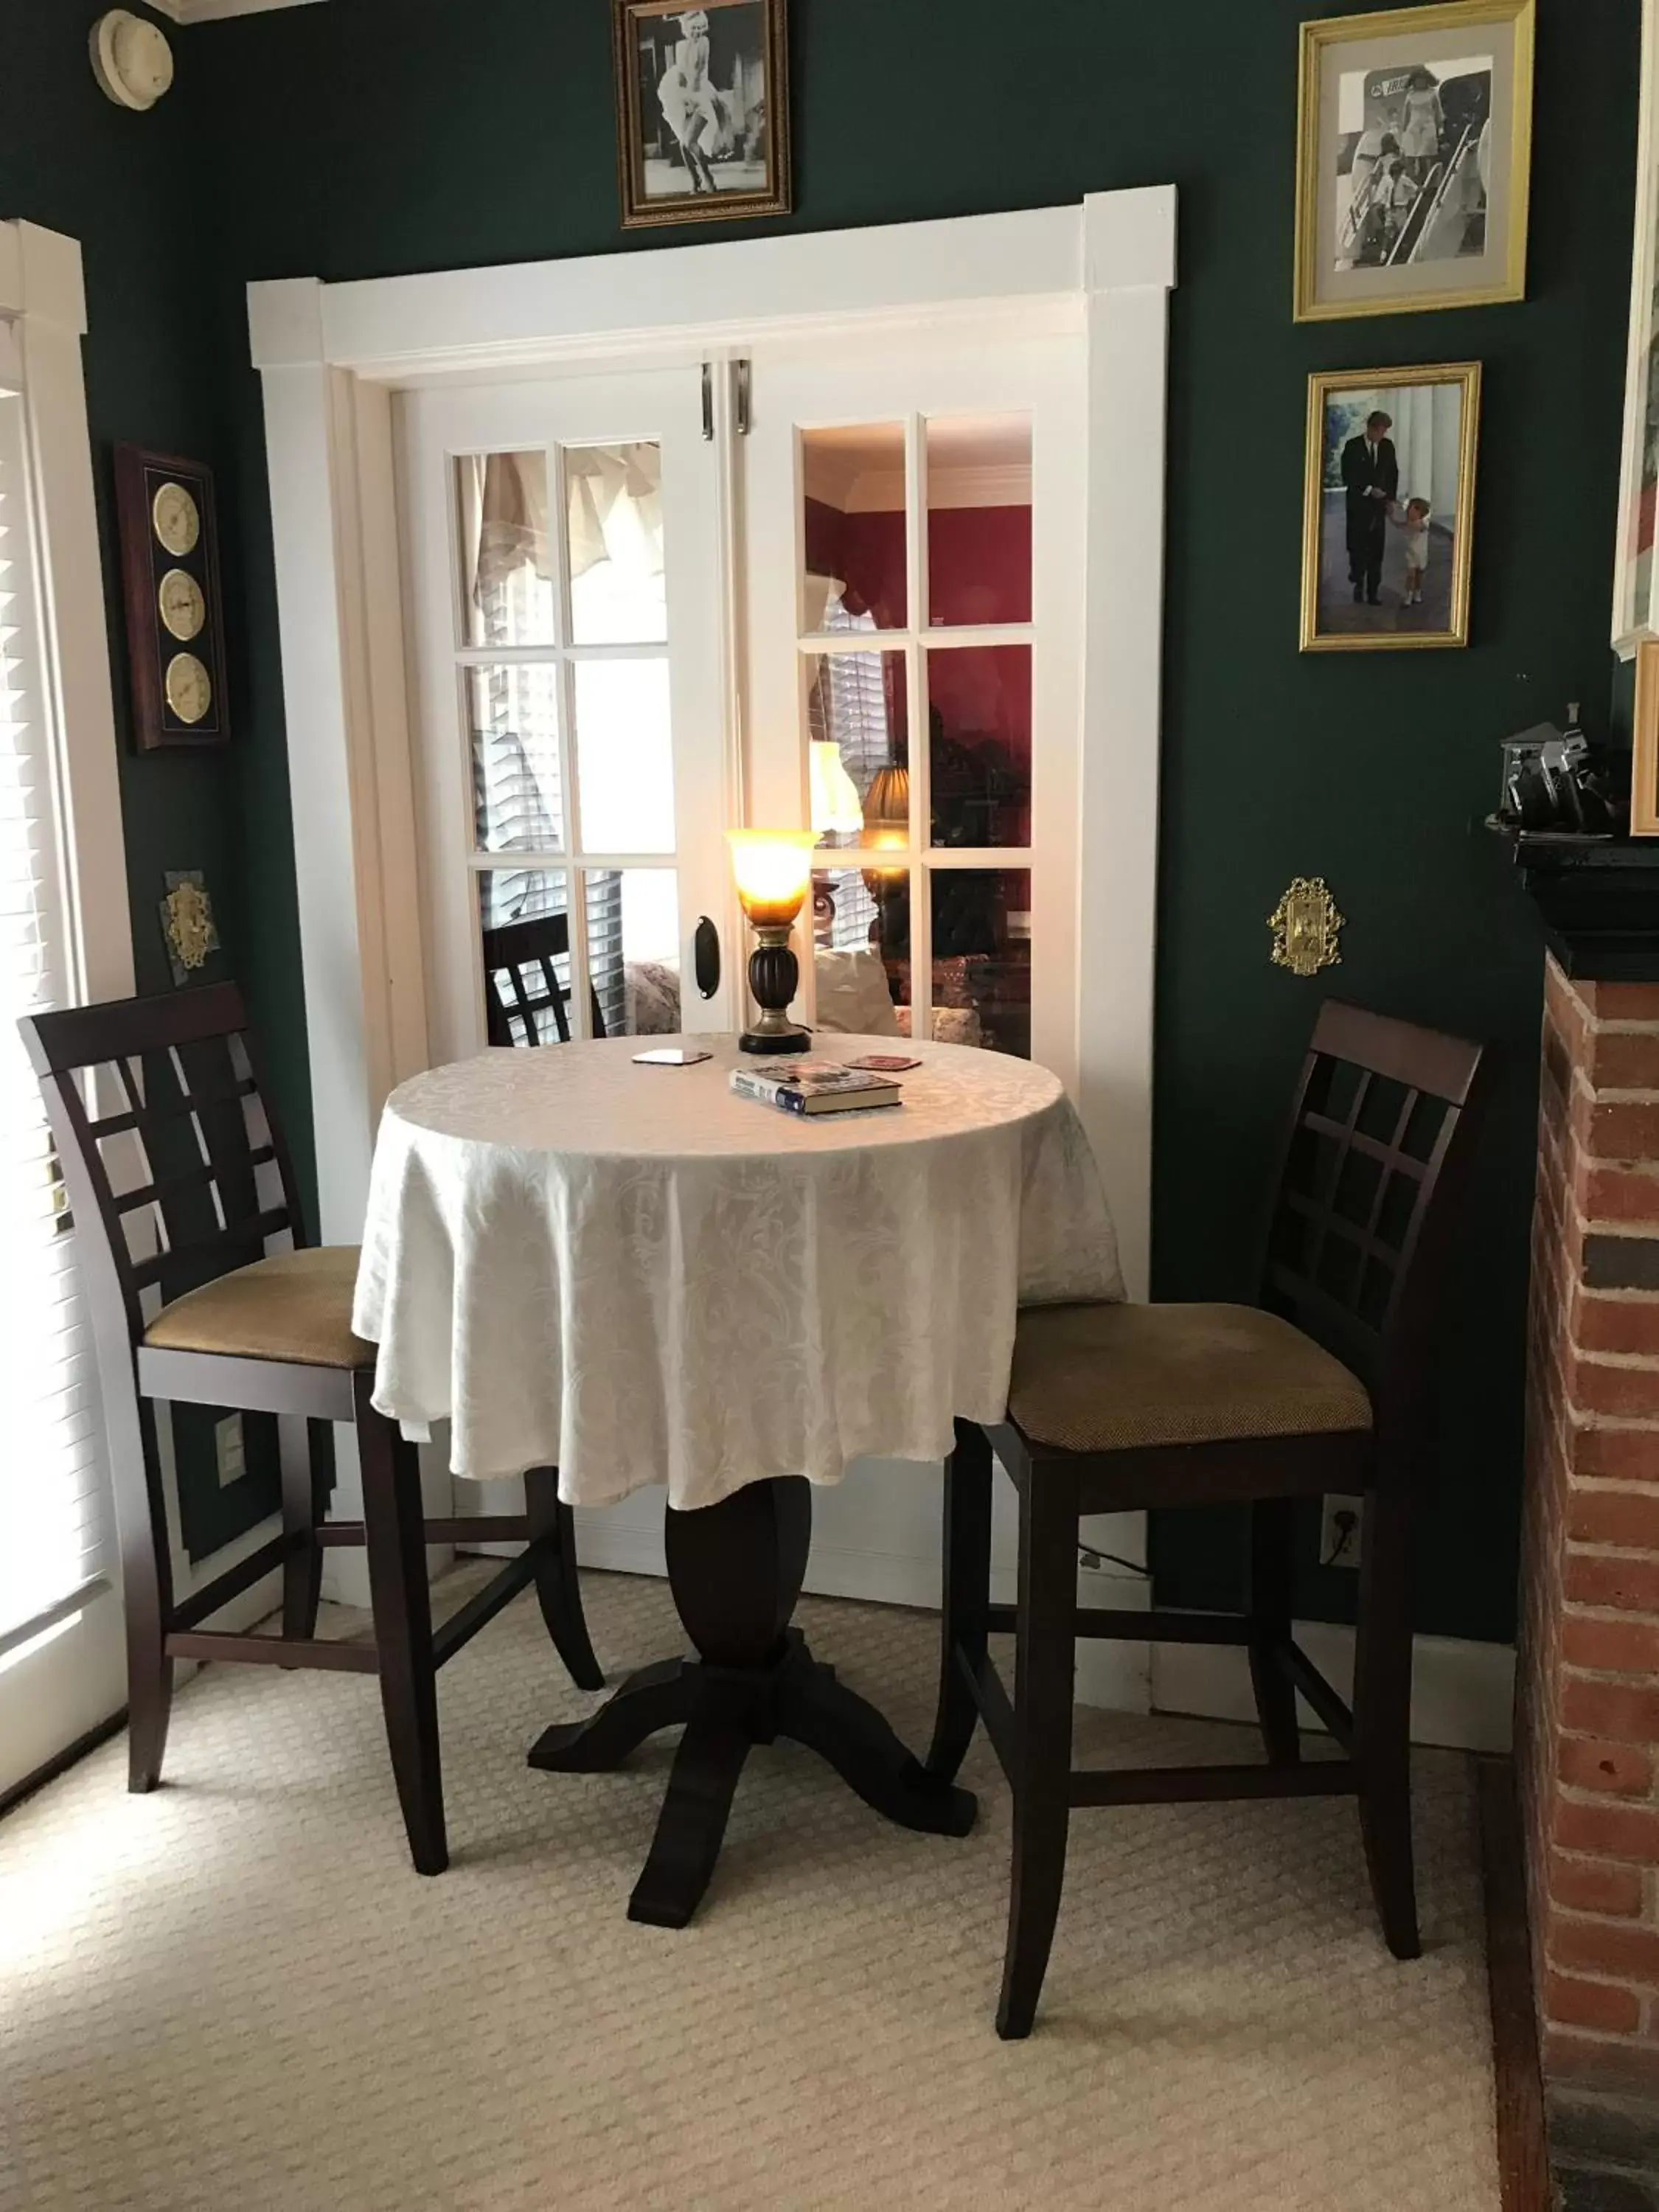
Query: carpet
point(234, 1995)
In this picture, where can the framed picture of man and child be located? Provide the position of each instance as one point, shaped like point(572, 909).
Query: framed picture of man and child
point(1413, 173)
point(1389, 529)
point(704, 110)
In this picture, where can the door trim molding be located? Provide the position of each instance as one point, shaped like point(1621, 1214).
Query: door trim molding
point(330, 357)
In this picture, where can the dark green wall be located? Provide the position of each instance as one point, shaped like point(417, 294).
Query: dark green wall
point(369, 136)
point(130, 188)
point(364, 137)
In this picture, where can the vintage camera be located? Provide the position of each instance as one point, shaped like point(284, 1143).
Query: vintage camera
point(1554, 783)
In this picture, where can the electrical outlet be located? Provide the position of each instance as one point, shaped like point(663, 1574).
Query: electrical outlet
point(230, 1449)
point(1341, 1529)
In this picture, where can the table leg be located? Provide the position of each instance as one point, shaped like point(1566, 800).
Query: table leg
point(736, 1571)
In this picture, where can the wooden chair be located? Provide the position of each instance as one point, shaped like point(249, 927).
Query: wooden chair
point(1323, 1386)
point(177, 1199)
point(521, 981)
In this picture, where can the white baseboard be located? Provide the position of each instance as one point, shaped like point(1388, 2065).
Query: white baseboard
point(1462, 1693)
point(1115, 1676)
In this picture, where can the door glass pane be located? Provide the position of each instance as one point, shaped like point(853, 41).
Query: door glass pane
point(518, 799)
point(982, 958)
point(505, 550)
point(524, 922)
point(857, 726)
point(861, 951)
point(853, 488)
point(979, 519)
point(980, 734)
point(624, 757)
point(634, 950)
point(613, 515)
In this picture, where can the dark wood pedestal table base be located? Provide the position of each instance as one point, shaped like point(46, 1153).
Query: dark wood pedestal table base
point(736, 1572)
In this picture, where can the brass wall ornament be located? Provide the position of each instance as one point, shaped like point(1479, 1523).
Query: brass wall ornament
point(187, 922)
point(1305, 925)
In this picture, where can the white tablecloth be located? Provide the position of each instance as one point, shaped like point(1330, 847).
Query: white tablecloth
point(634, 1275)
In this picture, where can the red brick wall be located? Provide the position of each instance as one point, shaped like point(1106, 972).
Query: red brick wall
point(1588, 1722)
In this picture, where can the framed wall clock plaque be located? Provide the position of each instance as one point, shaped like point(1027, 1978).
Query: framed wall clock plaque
point(170, 581)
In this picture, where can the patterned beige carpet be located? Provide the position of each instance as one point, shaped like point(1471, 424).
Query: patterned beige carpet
point(233, 1995)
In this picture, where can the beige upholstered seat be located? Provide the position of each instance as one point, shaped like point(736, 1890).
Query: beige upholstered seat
point(1115, 1377)
point(293, 1306)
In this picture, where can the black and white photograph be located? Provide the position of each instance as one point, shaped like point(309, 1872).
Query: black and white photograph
point(1413, 162)
point(704, 123)
point(1390, 497)
point(1416, 132)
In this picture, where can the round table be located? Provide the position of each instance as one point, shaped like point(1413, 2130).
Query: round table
point(633, 1274)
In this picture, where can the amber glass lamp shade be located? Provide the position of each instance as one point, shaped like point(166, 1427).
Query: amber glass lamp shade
point(887, 815)
point(774, 872)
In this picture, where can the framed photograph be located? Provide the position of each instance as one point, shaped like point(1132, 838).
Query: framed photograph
point(1644, 757)
point(702, 126)
point(1388, 523)
point(1413, 160)
point(1635, 598)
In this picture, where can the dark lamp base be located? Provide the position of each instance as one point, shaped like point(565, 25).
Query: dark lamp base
point(785, 1040)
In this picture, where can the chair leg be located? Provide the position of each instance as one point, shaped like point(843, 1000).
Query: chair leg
point(303, 1570)
point(1270, 1628)
point(1382, 1713)
point(553, 1530)
point(966, 1594)
point(394, 1541)
point(1045, 1666)
point(146, 1589)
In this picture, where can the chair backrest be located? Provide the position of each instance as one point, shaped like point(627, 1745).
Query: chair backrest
point(521, 981)
point(1373, 1169)
point(188, 1176)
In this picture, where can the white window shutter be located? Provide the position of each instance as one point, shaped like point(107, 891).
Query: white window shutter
point(54, 1518)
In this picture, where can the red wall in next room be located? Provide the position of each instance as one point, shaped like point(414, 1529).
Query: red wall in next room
point(979, 571)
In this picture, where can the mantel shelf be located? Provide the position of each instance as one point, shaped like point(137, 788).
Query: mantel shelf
point(1599, 898)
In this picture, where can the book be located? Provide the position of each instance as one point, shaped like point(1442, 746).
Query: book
point(815, 1086)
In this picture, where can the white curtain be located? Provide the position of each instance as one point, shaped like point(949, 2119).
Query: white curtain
point(614, 515)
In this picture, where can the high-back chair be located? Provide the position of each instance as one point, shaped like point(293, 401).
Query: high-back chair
point(521, 981)
point(1323, 1386)
point(203, 1291)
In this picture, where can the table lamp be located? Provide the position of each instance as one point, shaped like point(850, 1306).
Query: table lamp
point(836, 806)
point(773, 871)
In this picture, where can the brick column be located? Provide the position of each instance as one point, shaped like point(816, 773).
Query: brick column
point(1588, 1718)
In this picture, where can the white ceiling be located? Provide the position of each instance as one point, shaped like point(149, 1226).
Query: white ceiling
point(207, 11)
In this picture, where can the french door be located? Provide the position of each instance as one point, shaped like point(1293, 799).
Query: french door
point(912, 592)
point(564, 563)
point(839, 587)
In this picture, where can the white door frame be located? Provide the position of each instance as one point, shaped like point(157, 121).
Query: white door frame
point(331, 357)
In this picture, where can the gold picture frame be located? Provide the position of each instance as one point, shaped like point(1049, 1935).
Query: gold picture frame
point(1431, 466)
point(1636, 575)
point(702, 113)
point(1644, 747)
point(1440, 217)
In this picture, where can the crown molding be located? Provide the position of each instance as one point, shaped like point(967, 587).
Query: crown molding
point(211, 11)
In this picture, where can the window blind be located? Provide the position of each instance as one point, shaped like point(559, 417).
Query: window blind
point(54, 1520)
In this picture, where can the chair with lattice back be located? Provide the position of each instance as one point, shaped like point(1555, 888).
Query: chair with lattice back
point(523, 986)
point(203, 1290)
point(1321, 1387)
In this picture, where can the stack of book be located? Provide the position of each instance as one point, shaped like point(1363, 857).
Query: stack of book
point(816, 1086)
